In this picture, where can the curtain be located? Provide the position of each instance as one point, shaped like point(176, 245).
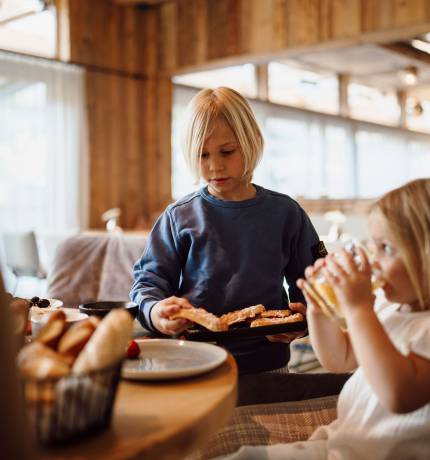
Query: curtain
point(43, 146)
point(43, 151)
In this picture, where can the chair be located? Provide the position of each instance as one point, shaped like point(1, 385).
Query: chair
point(22, 256)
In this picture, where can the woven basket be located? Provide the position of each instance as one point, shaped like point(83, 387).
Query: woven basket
point(73, 406)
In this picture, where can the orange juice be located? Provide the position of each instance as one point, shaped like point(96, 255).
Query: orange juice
point(333, 308)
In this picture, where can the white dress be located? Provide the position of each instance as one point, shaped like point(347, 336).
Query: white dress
point(364, 429)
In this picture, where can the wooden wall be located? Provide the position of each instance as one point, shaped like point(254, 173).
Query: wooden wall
point(131, 52)
point(201, 32)
point(128, 105)
point(130, 165)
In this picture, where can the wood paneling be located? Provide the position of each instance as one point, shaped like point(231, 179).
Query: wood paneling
point(128, 107)
point(321, 206)
point(259, 29)
point(131, 52)
point(113, 37)
point(130, 151)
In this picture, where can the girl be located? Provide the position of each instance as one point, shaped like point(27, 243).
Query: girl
point(230, 244)
point(384, 408)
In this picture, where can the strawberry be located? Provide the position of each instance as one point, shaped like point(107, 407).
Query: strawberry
point(133, 350)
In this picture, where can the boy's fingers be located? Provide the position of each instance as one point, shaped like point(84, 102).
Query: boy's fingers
point(168, 310)
point(184, 303)
point(174, 326)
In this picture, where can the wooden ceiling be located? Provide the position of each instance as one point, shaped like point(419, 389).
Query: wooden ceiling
point(373, 65)
point(378, 66)
point(139, 2)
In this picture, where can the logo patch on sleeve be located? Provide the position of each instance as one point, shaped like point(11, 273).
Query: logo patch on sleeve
point(319, 250)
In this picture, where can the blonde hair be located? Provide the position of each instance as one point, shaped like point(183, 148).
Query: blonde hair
point(204, 109)
point(407, 213)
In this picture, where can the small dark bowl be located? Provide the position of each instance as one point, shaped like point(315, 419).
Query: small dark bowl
point(102, 308)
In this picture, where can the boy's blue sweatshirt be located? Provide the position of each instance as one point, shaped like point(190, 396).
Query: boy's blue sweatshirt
point(225, 255)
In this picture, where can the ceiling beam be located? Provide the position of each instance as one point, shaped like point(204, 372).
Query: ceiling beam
point(139, 2)
point(408, 51)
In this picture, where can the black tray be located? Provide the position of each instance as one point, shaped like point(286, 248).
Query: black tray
point(243, 330)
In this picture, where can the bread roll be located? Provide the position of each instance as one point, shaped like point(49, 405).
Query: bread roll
point(108, 344)
point(75, 338)
point(36, 350)
point(39, 362)
point(45, 367)
point(53, 329)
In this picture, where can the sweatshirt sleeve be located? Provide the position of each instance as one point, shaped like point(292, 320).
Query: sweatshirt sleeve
point(157, 273)
point(306, 247)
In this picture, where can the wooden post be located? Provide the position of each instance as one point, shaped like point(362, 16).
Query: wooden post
point(343, 81)
point(262, 77)
point(401, 100)
point(63, 30)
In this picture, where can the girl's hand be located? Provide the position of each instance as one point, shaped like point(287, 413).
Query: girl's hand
point(351, 284)
point(303, 285)
point(161, 312)
point(290, 336)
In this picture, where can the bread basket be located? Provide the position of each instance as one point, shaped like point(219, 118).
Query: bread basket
point(72, 407)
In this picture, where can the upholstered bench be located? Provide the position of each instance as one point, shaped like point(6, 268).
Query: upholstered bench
point(95, 266)
point(265, 424)
point(277, 407)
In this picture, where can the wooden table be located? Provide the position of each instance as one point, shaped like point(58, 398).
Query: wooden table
point(161, 420)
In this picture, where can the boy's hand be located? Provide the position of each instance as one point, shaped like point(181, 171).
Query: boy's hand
point(290, 336)
point(161, 312)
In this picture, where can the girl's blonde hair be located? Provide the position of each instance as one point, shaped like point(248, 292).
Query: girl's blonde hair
point(204, 109)
point(407, 213)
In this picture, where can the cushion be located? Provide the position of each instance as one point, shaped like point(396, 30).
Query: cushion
point(94, 266)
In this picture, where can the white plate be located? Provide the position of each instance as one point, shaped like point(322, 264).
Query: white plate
point(53, 305)
point(39, 317)
point(170, 359)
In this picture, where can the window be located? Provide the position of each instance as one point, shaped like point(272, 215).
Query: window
point(23, 154)
point(28, 28)
point(292, 158)
point(310, 155)
point(291, 85)
point(241, 78)
point(339, 162)
point(370, 104)
point(42, 146)
point(182, 181)
point(381, 162)
point(418, 164)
